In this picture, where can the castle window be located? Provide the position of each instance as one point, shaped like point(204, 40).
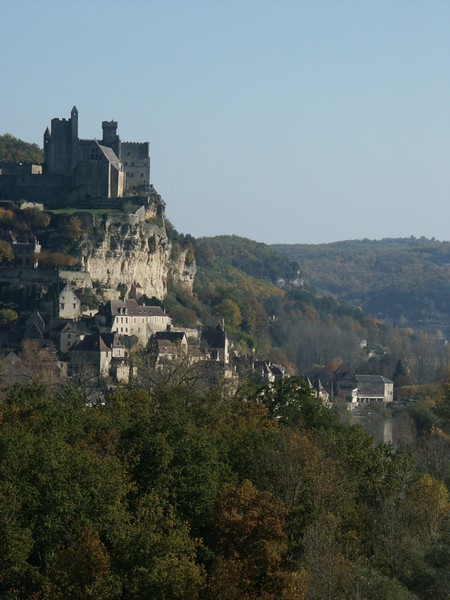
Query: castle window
point(142, 174)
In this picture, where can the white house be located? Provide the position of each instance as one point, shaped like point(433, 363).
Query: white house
point(372, 388)
point(127, 317)
point(69, 303)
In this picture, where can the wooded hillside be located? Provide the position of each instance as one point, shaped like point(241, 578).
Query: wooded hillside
point(403, 280)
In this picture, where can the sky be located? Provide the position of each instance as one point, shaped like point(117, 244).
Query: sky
point(289, 121)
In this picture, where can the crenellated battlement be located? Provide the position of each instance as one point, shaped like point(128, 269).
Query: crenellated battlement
point(84, 170)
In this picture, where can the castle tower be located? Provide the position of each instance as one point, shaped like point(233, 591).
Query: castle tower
point(110, 137)
point(46, 147)
point(74, 137)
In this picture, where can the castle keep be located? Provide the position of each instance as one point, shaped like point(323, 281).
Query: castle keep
point(78, 171)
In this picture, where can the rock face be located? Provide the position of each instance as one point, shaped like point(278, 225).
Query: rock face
point(182, 269)
point(129, 255)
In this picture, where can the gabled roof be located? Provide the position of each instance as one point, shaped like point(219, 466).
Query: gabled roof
point(170, 336)
point(98, 342)
point(215, 338)
point(70, 327)
point(70, 288)
point(132, 308)
point(372, 379)
point(91, 343)
point(33, 332)
point(111, 157)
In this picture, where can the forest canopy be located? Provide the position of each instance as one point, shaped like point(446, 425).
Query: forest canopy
point(172, 493)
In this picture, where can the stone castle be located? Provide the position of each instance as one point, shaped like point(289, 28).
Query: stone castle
point(80, 172)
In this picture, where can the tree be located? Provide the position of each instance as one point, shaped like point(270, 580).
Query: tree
point(6, 252)
point(8, 318)
point(158, 556)
point(230, 311)
point(57, 259)
point(13, 150)
point(36, 218)
point(251, 543)
point(74, 229)
point(292, 402)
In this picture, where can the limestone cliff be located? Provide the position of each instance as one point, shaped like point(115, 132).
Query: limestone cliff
point(125, 256)
point(182, 268)
point(131, 254)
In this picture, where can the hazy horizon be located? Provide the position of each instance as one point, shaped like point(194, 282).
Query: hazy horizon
point(295, 122)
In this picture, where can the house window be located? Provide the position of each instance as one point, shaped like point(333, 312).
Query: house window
point(74, 305)
point(62, 305)
point(142, 174)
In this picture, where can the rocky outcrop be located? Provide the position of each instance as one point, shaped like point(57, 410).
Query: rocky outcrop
point(130, 256)
point(182, 269)
point(122, 255)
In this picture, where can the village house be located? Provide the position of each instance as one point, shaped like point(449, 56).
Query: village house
point(66, 334)
point(69, 303)
point(214, 341)
point(167, 345)
point(127, 317)
point(370, 389)
point(98, 351)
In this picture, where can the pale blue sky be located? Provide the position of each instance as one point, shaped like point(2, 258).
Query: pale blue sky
point(290, 121)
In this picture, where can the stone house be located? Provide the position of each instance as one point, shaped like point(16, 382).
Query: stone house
point(26, 252)
point(167, 345)
point(69, 303)
point(98, 351)
point(67, 334)
point(127, 317)
point(214, 341)
point(372, 388)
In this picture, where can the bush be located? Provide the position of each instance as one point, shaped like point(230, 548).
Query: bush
point(57, 259)
point(8, 317)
